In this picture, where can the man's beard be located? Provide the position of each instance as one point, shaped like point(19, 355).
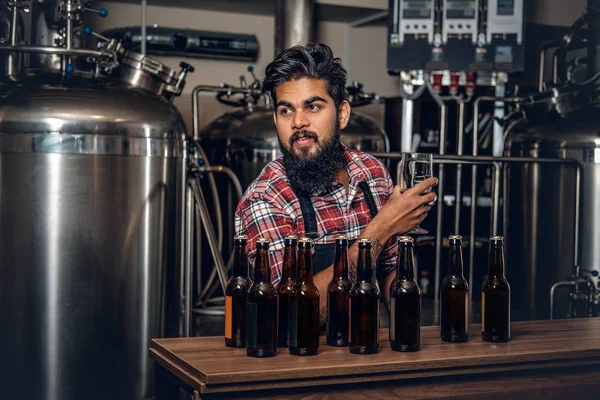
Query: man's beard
point(312, 174)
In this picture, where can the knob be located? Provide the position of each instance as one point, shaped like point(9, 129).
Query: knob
point(103, 12)
point(185, 67)
point(89, 31)
point(251, 70)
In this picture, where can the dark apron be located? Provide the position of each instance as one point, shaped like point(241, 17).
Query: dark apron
point(323, 253)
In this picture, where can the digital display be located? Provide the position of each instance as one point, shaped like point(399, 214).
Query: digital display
point(416, 9)
point(506, 7)
point(460, 9)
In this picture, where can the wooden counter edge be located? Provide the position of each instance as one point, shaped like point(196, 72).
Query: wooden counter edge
point(199, 385)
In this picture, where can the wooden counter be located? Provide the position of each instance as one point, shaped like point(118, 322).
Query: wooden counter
point(545, 359)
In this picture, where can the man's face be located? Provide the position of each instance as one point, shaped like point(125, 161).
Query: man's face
point(306, 116)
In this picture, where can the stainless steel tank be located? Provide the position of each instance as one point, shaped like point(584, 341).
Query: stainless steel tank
point(92, 188)
point(246, 140)
point(542, 204)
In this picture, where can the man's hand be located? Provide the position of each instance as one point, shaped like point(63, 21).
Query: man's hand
point(404, 211)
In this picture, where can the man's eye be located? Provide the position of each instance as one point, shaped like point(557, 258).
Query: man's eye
point(284, 111)
point(313, 107)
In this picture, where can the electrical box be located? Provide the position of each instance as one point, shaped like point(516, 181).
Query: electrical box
point(465, 35)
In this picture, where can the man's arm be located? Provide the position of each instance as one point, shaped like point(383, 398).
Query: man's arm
point(400, 214)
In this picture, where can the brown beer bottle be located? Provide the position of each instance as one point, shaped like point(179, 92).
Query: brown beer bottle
point(235, 295)
point(454, 296)
point(495, 296)
point(304, 305)
point(364, 304)
point(285, 288)
point(405, 298)
point(261, 307)
point(338, 296)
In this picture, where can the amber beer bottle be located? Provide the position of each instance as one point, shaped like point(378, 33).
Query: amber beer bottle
point(235, 295)
point(364, 304)
point(338, 296)
point(304, 305)
point(261, 307)
point(495, 296)
point(285, 288)
point(454, 299)
point(405, 298)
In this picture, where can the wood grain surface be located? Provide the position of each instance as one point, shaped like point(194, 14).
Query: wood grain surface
point(206, 365)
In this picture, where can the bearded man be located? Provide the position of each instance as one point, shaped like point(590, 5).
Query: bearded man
point(319, 188)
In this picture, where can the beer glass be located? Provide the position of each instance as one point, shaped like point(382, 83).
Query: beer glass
point(414, 169)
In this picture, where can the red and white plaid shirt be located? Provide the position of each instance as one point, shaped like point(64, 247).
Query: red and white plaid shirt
point(270, 209)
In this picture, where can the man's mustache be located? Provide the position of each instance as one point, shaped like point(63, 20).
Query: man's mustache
point(304, 133)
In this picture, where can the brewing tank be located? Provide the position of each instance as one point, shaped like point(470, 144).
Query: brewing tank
point(92, 178)
point(246, 140)
point(542, 206)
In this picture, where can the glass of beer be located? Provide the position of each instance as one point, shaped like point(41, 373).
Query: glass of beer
point(414, 169)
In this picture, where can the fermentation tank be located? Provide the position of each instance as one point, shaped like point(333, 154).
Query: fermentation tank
point(246, 139)
point(542, 205)
point(93, 176)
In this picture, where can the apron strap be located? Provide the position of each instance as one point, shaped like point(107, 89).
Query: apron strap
point(364, 186)
point(309, 216)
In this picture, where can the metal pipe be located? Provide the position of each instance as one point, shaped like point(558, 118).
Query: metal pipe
point(210, 233)
point(459, 152)
point(144, 26)
point(293, 23)
point(555, 67)
point(505, 196)
point(552, 292)
point(440, 205)
point(542, 61)
point(472, 228)
point(227, 171)
point(483, 160)
point(69, 34)
point(577, 216)
point(189, 248)
point(407, 126)
point(54, 50)
point(195, 102)
point(12, 57)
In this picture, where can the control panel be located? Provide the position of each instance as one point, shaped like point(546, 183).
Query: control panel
point(458, 35)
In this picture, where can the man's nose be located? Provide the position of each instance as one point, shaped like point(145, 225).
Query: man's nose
point(300, 120)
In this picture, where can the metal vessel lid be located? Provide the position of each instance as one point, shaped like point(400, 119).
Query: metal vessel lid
point(89, 110)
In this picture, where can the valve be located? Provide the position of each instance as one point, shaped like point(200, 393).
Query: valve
point(103, 12)
point(89, 31)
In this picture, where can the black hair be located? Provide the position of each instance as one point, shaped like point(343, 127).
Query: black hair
point(316, 61)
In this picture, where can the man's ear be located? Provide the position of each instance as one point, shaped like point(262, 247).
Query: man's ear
point(344, 114)
point(275, 117)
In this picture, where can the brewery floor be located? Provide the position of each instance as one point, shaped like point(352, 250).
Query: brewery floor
point(213, 325)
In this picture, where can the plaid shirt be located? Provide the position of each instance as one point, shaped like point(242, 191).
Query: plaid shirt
point(270, 209)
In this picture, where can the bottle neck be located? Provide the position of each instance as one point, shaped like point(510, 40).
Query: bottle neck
point(496, 263)
point(289, 263)
point(364, 269)
point(455, 261)
point(340, 269)
point(305, 266)
point(405, 263)
point(240, 261)
point(262, 270)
